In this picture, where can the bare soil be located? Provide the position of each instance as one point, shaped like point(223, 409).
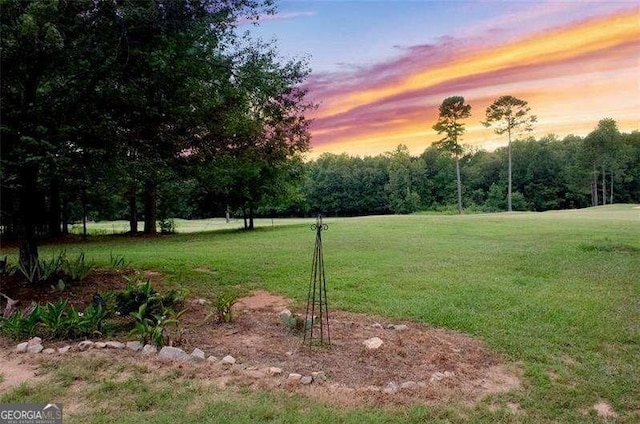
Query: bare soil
point(258, 340)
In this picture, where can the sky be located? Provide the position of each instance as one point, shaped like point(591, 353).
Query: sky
point(380, 69)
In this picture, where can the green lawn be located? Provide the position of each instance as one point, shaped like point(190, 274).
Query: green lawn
point(558, 293)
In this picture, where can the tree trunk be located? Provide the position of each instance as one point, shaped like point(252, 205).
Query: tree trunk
point(28, 207)
point(509, 208)
point(150, 207)
point(604, 186)
point(54, 208)
point(611, 189)
point(595, 186)
point(250, 217)
point(84, 213)
point(133, 210)
point(459, 184)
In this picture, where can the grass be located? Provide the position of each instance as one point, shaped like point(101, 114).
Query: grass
point(556, 292)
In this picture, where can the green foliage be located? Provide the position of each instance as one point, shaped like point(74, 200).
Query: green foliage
point(153, 329)
point(77, 269)
point(59, 320)
point(167, 226)
point(223, 304)
point(41, 270)
point(116, 262)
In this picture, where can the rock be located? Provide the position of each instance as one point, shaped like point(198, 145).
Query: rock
point(377, 326)
point(115, 345)
point(201, 302)
point(285, 313)
point(35, 348)
point(197, 355)
point(49, 351)
point(408, 385)
point(100, 345)
point(85, 345)
point(448, 374)
point(274, 371)
point(389, 326)
point(256, 374)
point(307, 379)
point(212, 359)
point(64, 349)
point(149, 350)
point(22, 347)
point(294, 378)
point(390, 388)
point(436, 376)
point(35, 341)
point(319, 376)
point(171, 353)
point(228, 360)
point(400, 327)
point(372, 343)
point(136, 346)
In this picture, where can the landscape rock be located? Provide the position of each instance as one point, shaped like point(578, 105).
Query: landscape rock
point(149, 349)
point(85, 345)
point(212, 359)
point(228, 360)
point(307, 379)
point(35, 341)
point(390, 388)
point(197, 355)
point(408, 385)
point(373, 343)
point(436, 376)
point(294, 378)
point(274, 371)
point(285, 313)
point(35, 348)
point(64, 349)
point(100, 345)
point(400, 327)
point(115, 345)
point(319, 376)
point(49, 351)
point(172, 354)
point(377, 326)
point(201, 302)
point(256, 374)
point(136, 346)
point(22, 347)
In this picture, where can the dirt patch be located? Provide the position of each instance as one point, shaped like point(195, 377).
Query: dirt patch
point(604, 410)
point(423, 364)
point(16, 370)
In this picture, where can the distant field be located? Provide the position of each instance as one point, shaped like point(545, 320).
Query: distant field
point(183, 225)
point(557, 293)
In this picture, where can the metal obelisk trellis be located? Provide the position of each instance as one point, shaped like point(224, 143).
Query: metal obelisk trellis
point(316, 323)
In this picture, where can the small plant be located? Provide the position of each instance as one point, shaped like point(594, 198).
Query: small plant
point(167, 226)
point(37, 271)
point(116, 262)
point(77, 269)
point(223, 305)
point(295, 323)
point(19, 326)
point(153, 330)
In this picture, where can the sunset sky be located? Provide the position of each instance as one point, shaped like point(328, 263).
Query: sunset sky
point(382, 68)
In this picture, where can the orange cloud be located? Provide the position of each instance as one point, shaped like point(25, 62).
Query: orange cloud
point(571, 77)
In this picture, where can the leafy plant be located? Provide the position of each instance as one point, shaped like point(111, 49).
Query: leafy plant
point(223, 305)
point(139, 293)
point(54, 318)
point(36, 271)
point(153, 329)
point(77, 269)
point(295, 323)
point(167, 226)
point(116, 262)
point(19, 326)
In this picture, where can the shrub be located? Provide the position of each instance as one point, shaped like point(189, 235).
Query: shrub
point(77, 269)
point(223, 305)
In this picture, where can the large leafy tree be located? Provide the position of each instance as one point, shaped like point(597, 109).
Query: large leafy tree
point(603, 150)
point(452, 111)
point(512, 116)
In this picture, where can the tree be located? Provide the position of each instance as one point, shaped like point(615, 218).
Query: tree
point(452, 111)
point(603, 148)
point(403, 175)
point(509, 115)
